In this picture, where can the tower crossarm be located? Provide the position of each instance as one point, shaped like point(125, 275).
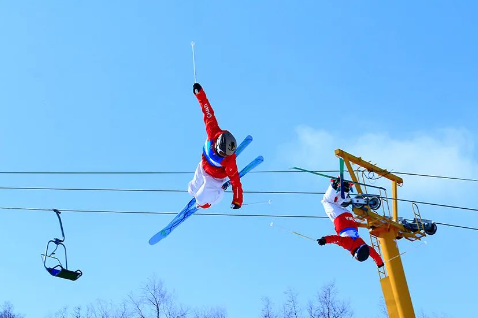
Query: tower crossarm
point(367, 165)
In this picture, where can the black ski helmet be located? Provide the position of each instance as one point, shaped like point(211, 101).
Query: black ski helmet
point(362, 253)
point(225, 144)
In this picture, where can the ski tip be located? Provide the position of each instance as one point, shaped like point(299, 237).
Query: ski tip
point(272, 224)
point(155, 239)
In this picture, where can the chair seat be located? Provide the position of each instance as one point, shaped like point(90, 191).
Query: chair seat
point(65, 273)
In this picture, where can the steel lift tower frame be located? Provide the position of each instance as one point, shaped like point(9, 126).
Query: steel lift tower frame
point(384, 230)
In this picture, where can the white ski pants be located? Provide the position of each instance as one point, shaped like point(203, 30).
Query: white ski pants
point(206, 189)
point(333, 210)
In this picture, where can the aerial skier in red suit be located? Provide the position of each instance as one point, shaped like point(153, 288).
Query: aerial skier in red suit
point(345, 224)
point(218, 161)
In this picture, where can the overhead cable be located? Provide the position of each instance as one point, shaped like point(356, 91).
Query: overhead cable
point(169, 213)
point(249, 192)
point(203, 214)
point(191, 172)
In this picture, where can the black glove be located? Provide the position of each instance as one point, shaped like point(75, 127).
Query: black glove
point(381, 265)
point(196, 88)
point(321, 241)
point(235, 206)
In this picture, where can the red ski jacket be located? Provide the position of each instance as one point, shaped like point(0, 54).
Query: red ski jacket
point(343, 223)
point(228, 166)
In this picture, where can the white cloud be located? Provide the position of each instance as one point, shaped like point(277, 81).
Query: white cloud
point(446, 152)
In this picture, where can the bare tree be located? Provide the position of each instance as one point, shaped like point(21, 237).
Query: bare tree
point(77, 312)
point(422, 314)
point(155, 295)
point(152, 301)
point(137, 306)
point(383, 308)
point(328, 306)
point(149, 303)
point(102, 309)
point(267, 310)
point(155, 301)
point(7, 311)
point(90, 311)
point(61, 313)
point(291, 307)
point(171, 310)
point(210, 313)
point(433, 315)
point(122, 311)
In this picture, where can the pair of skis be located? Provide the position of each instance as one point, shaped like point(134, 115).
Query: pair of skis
point(191, 207)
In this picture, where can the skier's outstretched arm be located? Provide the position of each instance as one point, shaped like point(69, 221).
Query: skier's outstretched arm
point(233, 174)
point(376, 258)
point(210, 120)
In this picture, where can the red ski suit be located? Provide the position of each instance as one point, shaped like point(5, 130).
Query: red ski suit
point(345, 226)
point(228, 166)
point(352, 243)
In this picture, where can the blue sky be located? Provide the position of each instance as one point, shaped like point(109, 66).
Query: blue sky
point(89, 86)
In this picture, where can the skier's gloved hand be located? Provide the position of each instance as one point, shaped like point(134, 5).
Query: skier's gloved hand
point(321, 241)
point(235, 206)
point(196, 88)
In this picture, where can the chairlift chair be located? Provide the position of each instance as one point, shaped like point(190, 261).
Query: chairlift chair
point(52, 246)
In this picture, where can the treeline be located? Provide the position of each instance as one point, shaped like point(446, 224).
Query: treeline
point(326, 304)
point(7, 311)
point(154, 301)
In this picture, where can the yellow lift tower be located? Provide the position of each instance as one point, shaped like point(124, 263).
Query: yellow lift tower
point(384, 229)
